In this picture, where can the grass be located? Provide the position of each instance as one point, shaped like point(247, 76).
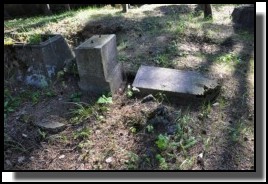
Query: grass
point(81, 113)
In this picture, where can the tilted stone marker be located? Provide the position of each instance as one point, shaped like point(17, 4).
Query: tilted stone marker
point(97, 65)
point(182, 86)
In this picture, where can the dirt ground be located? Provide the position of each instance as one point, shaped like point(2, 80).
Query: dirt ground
point(156, 135)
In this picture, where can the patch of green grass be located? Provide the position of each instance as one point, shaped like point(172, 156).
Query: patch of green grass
point(75, 97)
point(9, 143)
point(10, 102)
point(206, 109)
point(163, 60)
point(229, 58)
point(81, 113)
point(82, 134)
point(245, 36)
point(149, 128)
point(180, 29)
point(162, 141)
point(105, 100)
point(132, 162)
point(239, 130)
point(162, 162)
point(122, 58)
point(34, 39)
point(42, 134)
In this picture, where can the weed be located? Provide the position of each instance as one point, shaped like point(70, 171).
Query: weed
point(43, 134)
point(162, 162)
point(206, 109)
point(104, 100)
point(229, 58)
point(8, 41)
point(133, 129)
point(35, 96)
point(149, 128)
point(162, 141)
point(180, 27)
point(163, 60)
point(34, 39)
point(10, 103)
point(82, 113)
point(129, 91)
point(160, 97)
point(82, 134)
point(75, 97)
point(122, 58)
point(132, 162)
point(9, 143)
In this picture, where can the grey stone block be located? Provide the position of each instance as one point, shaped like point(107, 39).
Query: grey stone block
point(97, 65)
point(185, 86)
point(41, 61)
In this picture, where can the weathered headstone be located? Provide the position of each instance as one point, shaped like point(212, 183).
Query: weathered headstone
point(97, 65)
point(38, 64)
point(244, 16)
point(182, 86)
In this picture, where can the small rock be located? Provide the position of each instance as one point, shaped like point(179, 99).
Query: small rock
point(216, 104)
point(21, 159)
point(81, 167)
point(200, 155)
point(203, 132)
point(62, 156)
point(148, 98)
point(109, 160)
point(250, 117)
point(32, 158)
point(135, 89)
point(200, 116)
point(24, 135)
point(8, 163)
point(200, 159)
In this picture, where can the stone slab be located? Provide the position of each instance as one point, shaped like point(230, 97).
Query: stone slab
point(174, 83)
point(52, 123)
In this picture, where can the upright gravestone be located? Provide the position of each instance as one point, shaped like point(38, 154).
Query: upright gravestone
point(97, 65)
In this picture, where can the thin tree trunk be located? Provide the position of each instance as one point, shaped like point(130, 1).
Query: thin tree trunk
point(207, 11)
point(46, 9)
point(125, 8)
point(67, 7)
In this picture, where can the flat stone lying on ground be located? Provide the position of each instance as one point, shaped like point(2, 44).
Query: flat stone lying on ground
point(97, 65)
point(52, 123)
point(186, 85)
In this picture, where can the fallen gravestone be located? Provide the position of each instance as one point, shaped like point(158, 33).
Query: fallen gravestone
point(97, 65)
point(178, 86)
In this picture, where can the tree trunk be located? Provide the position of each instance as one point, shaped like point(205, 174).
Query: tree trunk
point(67, 7)
point(46, 9)
point(125, 8)
point(207, 11)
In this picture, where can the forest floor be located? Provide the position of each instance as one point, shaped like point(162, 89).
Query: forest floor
point(125, 134)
